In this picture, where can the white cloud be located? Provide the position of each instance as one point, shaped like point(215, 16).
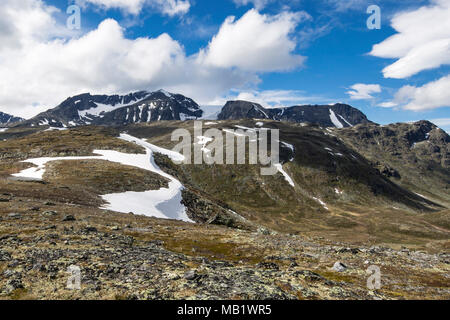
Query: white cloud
point(422, 41)
point(168, 7)
point(258, 4)
point(388, 104)
point(39, 71)
point(432, 95)
point(362, 91)
point(340, 5)
point(441, 122)
point(269, 98)
point(256, 42)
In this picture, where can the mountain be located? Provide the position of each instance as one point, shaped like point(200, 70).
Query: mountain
point(143, 106)
point(413, 155)
point(338, 115)
point(8, 119)
point(255, 236)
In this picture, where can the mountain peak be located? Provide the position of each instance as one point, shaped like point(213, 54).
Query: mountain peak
point(8, 119)
point(338, 115)
point(140, 106)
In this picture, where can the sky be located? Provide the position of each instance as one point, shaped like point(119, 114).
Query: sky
point(277, 53)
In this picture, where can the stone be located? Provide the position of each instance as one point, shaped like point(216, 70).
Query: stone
point(339, 267)
point(8, 273)
point(14, 284)
point(90, 229)
point(190, 275)
point(69, 218)
point(50, 213)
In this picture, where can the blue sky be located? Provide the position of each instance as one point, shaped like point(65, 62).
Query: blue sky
point(273, 52)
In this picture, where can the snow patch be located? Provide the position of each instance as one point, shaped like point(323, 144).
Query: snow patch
point(167, 94)
point(257, 108)
point(284, 173)
point(164, 203)
point(43, 122)
point(335, 120)
point(103, 108)
point(321, 202)
point(345, 120)
point(54, 128)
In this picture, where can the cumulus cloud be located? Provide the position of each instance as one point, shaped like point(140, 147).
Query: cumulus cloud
point(435, 94)
point(40, 70)
point(362, 91)
point(256, 42)
point(422, 41)
point(168, 7)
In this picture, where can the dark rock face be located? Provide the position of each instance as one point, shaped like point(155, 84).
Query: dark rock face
point(143, 106)
point(7, 118)
point(338, 115)
point(415, 154)
point(236, 110)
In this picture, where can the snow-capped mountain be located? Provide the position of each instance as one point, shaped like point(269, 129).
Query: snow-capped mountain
point(143, 106)
point(6, 119)
point(337, 115)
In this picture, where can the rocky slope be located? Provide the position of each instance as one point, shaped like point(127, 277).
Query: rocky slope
point(414, 155)
point(338, 115)
point(132, 257)
point(6, 119)
point(143, 106)
point(256, 237)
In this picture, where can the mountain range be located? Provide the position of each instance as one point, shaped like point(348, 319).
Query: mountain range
point(337, 115)
point(6, 119)
point(144, 107)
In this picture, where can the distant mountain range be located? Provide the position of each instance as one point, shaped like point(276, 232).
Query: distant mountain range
point(143, 106)
point(338, 115)
point(8, 119)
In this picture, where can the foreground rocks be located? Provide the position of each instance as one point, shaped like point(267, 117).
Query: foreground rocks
point(131, 257)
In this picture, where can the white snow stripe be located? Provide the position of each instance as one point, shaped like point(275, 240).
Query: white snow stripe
point(335, 120)
point(284, 173)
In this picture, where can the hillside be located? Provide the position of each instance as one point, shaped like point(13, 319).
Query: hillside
point(48, 225)
point(337, 115)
